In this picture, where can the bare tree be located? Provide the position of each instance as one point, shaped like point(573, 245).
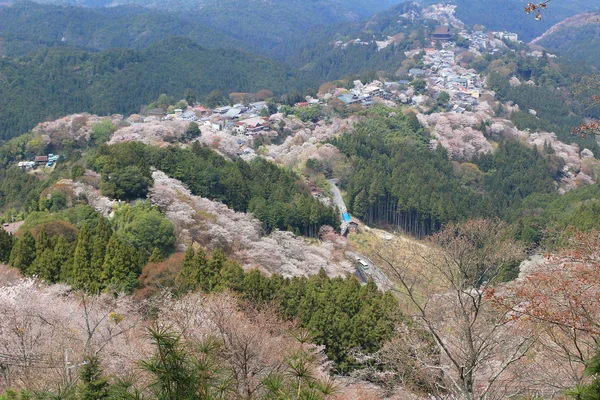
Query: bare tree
point(254, 344)
point(559, 297)
point(446, 286)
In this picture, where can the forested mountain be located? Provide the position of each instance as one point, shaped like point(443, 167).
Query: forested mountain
point(261, 23)
point(66, 79)
point(508, 15)
point(576, 37)
point(328, 53)
point(57, 81)
point(26, 26)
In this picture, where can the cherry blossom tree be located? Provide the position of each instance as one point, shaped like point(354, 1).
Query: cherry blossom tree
point(560, 299)
point(445, 286)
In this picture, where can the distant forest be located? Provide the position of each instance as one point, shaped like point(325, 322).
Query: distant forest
point(56, 81)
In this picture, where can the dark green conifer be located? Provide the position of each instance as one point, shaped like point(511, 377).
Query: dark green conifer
point(93, 386)
point(156, 256)
point(121, 266)
point(43, 243)
point(6, 245)
point(23, 252)
point(210, 276)
point(63, 254)
point(187, 274)
point(101, 237)
point(84, 276)
point(47, 267)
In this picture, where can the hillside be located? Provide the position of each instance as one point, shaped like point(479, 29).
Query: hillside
point(332, 52)
point(576, 37)
point(508, 15)
point(26, 26)
point(57, 81)
point(263, 24)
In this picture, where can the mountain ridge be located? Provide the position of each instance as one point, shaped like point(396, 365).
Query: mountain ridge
point(575, 37)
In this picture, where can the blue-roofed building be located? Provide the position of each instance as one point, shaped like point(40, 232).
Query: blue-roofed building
point(348, 98)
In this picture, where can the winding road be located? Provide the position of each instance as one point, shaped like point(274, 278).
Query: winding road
point(374, 273)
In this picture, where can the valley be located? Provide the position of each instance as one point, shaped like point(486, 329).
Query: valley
point(317, 201)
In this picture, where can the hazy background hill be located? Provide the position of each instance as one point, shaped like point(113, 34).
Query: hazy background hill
point(509, 15)
point(576, 37)
point(260, 23)
point(26, 26)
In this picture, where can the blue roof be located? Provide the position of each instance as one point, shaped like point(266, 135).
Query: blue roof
point(346, 98)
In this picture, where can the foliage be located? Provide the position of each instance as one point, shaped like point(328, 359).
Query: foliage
point(183, 372)
point(340, 313)
point(591, 391)
point(102, 255)
point(144, 228)
point(19, 189)
point(574, 40)
point(127, 184)
point(192, 131)
point(102, 131)
point(513, 173)
point(396, 180)
point(93, 385)
point(540, 212)
point(310, 113)
point(23, 253)
point(6, 244)
point(215, 99)
point(271, 193)
point(120, 81)
point(555, 112)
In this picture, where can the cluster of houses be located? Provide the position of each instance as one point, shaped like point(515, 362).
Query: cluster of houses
point(510, 36)
point(443, 74)
point(439, 70)
point(364, 95)
point(48, 161)
point(240, 119)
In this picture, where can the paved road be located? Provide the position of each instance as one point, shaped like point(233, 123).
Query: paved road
point(380, 279)
point(338, 200)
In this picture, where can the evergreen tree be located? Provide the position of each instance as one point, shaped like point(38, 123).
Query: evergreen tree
point(101, 238)
point(232, 276)
point(156, 256)
point(178, 375)
point(121, 266)
point(43, 244)
point(47, 266)
point(189, 96)
point(192, 131)
point(23, 252)
point(93, 385)
point(361, 205)
point(210, 273)
point(6, 245)
point(187, 274)
point(84, 276)
point(63, 255)
point(195, 272)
